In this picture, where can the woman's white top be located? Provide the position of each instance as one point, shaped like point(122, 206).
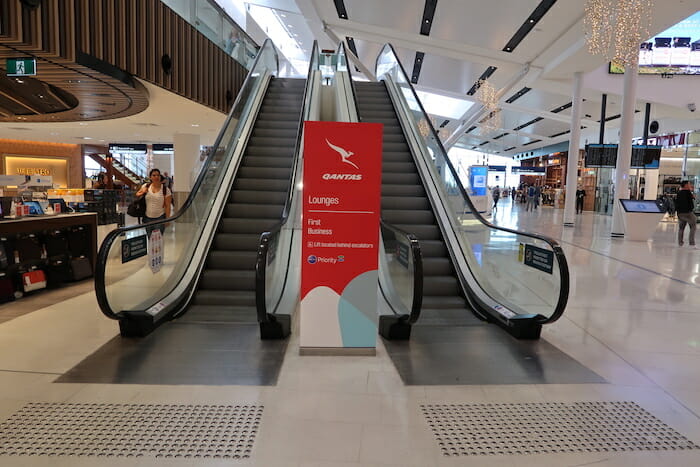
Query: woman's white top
point(155, 202)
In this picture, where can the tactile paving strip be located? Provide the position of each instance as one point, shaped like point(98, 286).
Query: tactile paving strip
point(549, 427)
point(131, 430)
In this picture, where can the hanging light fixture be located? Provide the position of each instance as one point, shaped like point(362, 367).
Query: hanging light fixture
point(488, 98)
point(615, 29)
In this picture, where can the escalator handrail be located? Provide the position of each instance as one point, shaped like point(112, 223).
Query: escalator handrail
point(417, 255)
point(352, 83)
point(102, 255)
point(265, 237)
point(556, 248)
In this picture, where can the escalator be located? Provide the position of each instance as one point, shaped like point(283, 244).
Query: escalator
point(405, 204)
point(207, 267)
point(444, 264)
point(226, 290)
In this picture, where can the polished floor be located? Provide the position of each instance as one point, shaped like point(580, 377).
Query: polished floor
point(633, 319)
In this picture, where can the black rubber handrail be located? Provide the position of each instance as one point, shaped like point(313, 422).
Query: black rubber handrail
point(417, 255)
point(102, 255)
point(558, 252)
point(266, 237)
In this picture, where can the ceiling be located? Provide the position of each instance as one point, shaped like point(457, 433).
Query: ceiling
point(465, 38)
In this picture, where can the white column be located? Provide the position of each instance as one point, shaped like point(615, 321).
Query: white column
point(574, 143)
point(185, 158)
point(624, 153)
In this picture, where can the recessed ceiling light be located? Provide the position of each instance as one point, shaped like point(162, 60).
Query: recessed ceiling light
point(195, 124)
point(290, 26)
point(82, 123)
point(85, 137)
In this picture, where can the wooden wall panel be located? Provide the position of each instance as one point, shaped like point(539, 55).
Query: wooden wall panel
point(131, 35)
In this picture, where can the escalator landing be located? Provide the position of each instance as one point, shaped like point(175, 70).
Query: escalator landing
point(192, 353)
point(482, 355)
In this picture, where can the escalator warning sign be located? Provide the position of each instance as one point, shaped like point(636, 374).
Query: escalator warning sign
point(538, 258)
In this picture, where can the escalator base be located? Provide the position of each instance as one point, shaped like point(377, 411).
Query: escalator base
point(394, 328)
point(279, 327)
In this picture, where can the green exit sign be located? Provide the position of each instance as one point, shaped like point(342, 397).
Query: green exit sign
point(21, 67)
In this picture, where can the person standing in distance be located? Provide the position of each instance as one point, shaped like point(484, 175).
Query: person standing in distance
point(580, 195)
point(158, 199)
point(496, 195)
point(685, 205)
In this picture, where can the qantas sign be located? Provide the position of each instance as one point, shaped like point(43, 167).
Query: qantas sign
point(344, 157)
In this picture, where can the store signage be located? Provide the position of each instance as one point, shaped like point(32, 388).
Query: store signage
point(340, 234)
point(537, 258)
point(478, 175)
point(163, 148)
point(32, 171)
point(528, 170)
point(155, 250)
point(21, 66)
point(133, 248)
point(128, 148)
point(497, 168)
point(25, 180)
point(601, 155)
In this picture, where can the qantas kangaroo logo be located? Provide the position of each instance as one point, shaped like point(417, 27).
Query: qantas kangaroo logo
point(344, 154)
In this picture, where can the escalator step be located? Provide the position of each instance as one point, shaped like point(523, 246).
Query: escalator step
point(423, 232)
point(437, 266)
point(261, 184)
point(433, 249)
point(265, 172)
point(220, 314)
point(408, 217)
point(397, 189)
point(246, 226)
point(250, 196)
point(434, 302)
point(224, 297)
point(277, 124)
point(221, 259)
point(401, 179)
point(271, 141)
point(271, 151)
point(236, 242)
point(405, 202)
point(440, 286)
point(267, 161)
point(279, 133)
point(253, 211)
point(399, 167)
point(224, 279)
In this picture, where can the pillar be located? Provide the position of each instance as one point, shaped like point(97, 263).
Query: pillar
point(185, 158)
point(574, 143)
point(624, 153)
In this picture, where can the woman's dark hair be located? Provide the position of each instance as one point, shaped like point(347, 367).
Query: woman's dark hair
point(153, 170)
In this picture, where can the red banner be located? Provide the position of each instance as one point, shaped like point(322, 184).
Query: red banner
point(342, 184)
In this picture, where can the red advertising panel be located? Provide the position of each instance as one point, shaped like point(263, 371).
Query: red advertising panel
point(340, 224)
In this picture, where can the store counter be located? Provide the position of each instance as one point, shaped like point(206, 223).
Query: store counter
point(32, 224)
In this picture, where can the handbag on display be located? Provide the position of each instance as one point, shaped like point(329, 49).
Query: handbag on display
point(28, 248)
point(33, 280)
point(57, 271)
point(79, 241)
point(7, 288)
point(80, 268)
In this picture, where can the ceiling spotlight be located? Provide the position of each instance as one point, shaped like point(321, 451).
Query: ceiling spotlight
point(195, 125)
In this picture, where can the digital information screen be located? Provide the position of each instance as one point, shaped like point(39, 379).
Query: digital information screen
point(601, 155)
point(645, 157)
point(640, 205)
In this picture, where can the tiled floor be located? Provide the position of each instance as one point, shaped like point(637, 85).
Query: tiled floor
point(633, 318)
